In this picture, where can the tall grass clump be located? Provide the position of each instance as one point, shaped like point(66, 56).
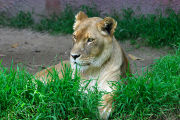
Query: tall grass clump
point(57, 24)
point(24, 97)
point(3, 19)
point(21, 20)
point(155, 30)
point(154, 95)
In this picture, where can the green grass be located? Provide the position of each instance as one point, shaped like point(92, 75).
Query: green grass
point(25, 98)
point(64, 22)
point(153, 95)
point(57, 24)
point(154, 30)
point(21, 20)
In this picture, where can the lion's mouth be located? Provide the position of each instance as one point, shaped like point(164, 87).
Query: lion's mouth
point(82, 64)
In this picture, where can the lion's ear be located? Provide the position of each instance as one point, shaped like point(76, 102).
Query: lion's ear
point(107, 26)
point(78, 18)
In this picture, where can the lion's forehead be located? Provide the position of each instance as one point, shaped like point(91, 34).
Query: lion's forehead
point(87, 28)
point(83, 34)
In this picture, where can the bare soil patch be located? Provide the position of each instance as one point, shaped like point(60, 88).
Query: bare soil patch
point(39, 50)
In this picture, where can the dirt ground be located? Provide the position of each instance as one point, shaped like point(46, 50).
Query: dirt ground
point(39, 50)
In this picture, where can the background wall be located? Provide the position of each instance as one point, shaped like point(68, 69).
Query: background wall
point(46, 7)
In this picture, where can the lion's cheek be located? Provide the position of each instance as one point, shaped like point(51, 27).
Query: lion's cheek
point(95, 52)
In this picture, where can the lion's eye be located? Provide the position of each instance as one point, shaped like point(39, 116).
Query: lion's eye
point(90, 40)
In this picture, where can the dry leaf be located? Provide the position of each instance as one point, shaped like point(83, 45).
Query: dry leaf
point(134, 57)
point(15, 45)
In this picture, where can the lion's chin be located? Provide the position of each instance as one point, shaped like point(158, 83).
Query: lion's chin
point(82, 67)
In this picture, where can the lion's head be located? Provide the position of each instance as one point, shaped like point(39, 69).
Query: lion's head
point(92, 41)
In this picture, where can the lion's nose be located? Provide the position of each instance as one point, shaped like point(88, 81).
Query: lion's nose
point(75, 56)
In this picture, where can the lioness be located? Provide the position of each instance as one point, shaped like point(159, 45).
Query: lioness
point(98, 56)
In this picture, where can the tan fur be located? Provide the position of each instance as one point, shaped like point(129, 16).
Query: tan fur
point(43, 75)
point(101, 57)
